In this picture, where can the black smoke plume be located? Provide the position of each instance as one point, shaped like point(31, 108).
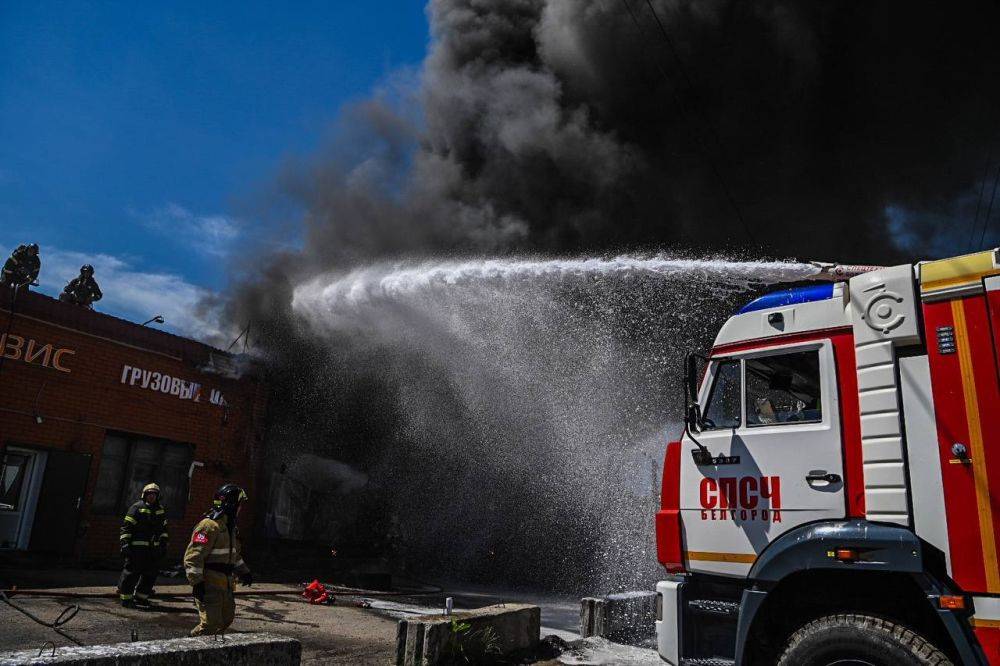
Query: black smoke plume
point(572, 127)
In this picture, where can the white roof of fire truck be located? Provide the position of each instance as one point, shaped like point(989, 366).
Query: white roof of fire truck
point(826, 305)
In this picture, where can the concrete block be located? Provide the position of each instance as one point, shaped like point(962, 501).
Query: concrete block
point(592, 617)
point(625, 618)
point(501, 630)
point(230, 650)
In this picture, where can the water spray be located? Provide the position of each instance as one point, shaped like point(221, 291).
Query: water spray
point(379, 282)
point(527, 395)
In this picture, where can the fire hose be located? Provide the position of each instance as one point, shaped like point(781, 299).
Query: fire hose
point(423, 590)
point(838, 272)
point(68, 614)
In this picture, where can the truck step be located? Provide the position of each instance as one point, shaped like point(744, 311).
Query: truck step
point(715, 607)
point(708, 661)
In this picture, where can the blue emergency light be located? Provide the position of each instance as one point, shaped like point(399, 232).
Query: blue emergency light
point(810, 294)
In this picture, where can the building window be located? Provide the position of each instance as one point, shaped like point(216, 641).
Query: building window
point(784, 388)
point(129, 462)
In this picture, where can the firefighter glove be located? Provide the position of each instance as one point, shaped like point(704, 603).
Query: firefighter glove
point(126, 549)
point(246, 579)
point(198, 590)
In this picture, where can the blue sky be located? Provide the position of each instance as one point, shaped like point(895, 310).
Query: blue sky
point(135, 133)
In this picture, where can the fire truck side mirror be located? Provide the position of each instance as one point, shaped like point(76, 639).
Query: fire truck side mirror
point(692, 417)
point(691, 378)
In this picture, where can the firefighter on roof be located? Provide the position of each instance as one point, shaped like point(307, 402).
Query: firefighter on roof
point(22, 267)
point(82, 290)
point(213, 559)
point(143, 542)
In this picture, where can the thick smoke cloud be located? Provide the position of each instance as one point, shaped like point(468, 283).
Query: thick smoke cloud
point(550, 126)
point(562, 127)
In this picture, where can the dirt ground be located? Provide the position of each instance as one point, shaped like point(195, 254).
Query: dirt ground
point(339, 634)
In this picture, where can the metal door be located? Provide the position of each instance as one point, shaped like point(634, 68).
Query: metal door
point(57, 515)
point(773, 429)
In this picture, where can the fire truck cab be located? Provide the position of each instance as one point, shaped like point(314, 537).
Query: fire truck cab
point(835, 497)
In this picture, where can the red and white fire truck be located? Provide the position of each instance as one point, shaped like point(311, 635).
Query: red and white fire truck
point(835, 497)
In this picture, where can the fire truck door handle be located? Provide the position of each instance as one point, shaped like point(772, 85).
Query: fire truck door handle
point(823, 476)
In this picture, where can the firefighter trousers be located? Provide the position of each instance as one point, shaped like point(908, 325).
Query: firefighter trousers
point(218, 610)
point(142, 565)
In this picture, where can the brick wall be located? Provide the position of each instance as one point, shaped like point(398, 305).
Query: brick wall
point(79, 395)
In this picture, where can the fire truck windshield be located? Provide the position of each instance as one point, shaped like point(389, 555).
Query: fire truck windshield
point(723, 407)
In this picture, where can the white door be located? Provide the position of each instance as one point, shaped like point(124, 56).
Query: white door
point(773, 428)
point(21, 473)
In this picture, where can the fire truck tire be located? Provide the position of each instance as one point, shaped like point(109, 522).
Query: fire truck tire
point(859, 639)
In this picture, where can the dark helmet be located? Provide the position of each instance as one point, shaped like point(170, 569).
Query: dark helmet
point(87, 270)
point(33, 248)
point(227, 499)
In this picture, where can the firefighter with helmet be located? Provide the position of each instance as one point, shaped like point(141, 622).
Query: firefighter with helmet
point(82, 290)
point(212, 561)
point(22, 267)
point(143, 542)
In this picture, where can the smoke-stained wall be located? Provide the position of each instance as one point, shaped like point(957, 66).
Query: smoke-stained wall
point(568, 127)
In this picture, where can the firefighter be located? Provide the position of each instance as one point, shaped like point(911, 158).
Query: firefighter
point(144, 542)
point(212, 559)
point(82, 290)
point(22, 267)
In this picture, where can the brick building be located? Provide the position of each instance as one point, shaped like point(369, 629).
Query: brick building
point(93, 407)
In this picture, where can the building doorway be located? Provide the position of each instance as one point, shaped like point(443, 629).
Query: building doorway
point(21, 474)
point(57, 511)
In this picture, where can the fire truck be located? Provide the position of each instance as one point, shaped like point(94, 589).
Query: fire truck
point(835, 496)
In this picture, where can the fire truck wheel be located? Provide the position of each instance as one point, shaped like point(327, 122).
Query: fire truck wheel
point(859, 640)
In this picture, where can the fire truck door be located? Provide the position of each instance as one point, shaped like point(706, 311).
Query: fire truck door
point(772, 426)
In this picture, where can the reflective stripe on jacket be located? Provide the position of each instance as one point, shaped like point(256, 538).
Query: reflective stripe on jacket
point(213, 552)
point(144, 525)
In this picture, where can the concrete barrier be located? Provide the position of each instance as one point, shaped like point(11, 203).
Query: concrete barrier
point(624, 618)
point(230, 650)
point(475, 635)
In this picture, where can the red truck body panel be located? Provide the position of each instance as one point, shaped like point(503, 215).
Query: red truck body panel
point(966, 390)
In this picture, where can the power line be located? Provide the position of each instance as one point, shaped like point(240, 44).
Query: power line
point(673, 50)
point(989, 209)
point(705, 152)
point(692, 90)
point(979, 200)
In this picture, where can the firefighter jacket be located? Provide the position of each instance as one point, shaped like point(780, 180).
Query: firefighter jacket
point(144, 526)
point(213, 554)
point(83, 290)
point(22, 266)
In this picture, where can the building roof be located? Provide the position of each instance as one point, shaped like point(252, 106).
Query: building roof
point(91, 322)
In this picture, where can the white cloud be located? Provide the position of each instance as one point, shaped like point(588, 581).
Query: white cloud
point(208, 234)
point(133, 294)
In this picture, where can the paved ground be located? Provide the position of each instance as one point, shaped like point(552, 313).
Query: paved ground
point(340, 634)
